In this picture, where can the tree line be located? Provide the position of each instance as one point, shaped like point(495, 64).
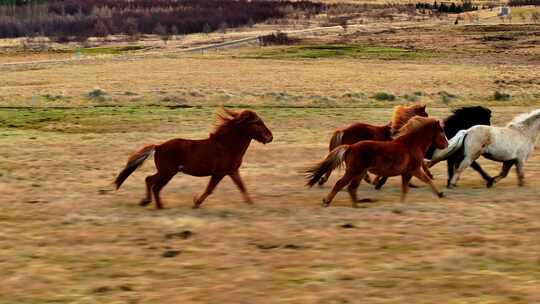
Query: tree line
point(523, 2)
point(76, 20)
point(451, 8)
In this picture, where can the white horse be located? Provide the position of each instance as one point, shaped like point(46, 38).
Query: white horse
point(511, 145)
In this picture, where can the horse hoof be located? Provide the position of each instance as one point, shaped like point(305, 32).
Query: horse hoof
point(144, 202)
point(325, 203)
point(413, 186)
point(196, 206)
point(441, 194)
point(366, 200)
point(489, 184)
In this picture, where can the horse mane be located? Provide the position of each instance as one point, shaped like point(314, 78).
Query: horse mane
point(225, 121)
point(465, 111)
point(402, 114)
point(524, 121)
point(414, 124)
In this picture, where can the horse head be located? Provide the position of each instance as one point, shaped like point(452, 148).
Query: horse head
point(254, 126)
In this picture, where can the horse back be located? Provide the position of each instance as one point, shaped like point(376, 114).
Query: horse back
point(360, 132)
point(387, 158)
point(201, 157)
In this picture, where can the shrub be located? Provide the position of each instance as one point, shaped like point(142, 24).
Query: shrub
point(278, 38)
point(97, 95)
point(447, 97)
point(383, 96)
point(412, 97)
point(500, 96)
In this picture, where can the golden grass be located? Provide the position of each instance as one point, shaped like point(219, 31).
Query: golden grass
point(203, 80)
point(67, 239)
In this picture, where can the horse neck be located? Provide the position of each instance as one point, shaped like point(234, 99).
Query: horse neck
point(417, 139)
point(236, 142)
point(387, 129)
point(532, 130)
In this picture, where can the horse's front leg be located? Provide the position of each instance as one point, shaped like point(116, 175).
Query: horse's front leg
point(214, 181)
point(405, 180)
point(421, 175)
point(240, 184)
point(380, 181)
point(450, 169)
point(426, 170)
point(520, 173)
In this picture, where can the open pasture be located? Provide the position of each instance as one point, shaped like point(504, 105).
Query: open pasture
point(67, 238)
point(67, 128)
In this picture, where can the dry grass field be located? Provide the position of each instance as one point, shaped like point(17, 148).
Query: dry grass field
point(67, 238)
point(66, 130)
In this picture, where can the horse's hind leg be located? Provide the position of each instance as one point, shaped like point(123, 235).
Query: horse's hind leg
point(214, 181)
point(340, 184)
point(353, 188)
point(149, 183)
point(405, 179)
point(160, 180)
point(507, 165)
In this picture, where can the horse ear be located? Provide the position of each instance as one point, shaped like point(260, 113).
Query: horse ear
point(423, 107)
point(441, 123)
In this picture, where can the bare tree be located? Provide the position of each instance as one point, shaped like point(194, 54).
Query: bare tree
point(162, 32)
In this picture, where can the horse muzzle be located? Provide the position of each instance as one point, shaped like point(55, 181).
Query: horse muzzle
point(268, 139)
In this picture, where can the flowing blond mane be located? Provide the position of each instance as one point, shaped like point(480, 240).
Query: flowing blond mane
point(403, 113)
point(224, 121)
point(414, 124)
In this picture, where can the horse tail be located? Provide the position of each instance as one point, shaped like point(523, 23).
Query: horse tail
point(336, 140)
point(454, 145)
point(133, 163)
point(332, 161)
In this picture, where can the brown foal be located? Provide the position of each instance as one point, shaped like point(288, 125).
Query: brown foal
point(361, 131)
point(402, 156)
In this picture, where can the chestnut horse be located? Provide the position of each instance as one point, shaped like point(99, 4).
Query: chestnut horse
point(217, 156)
point(403, 156)
point(361, 131)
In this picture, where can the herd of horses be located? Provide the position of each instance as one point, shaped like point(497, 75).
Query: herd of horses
point(407, 146)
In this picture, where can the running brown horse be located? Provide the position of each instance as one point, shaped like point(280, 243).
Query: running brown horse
point(402, 156)
point(361, 131)
point(217, 156)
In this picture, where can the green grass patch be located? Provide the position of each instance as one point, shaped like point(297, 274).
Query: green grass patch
point(339, 51)
point(96, 51)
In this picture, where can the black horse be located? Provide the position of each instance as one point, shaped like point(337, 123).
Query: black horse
point(461, 119)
